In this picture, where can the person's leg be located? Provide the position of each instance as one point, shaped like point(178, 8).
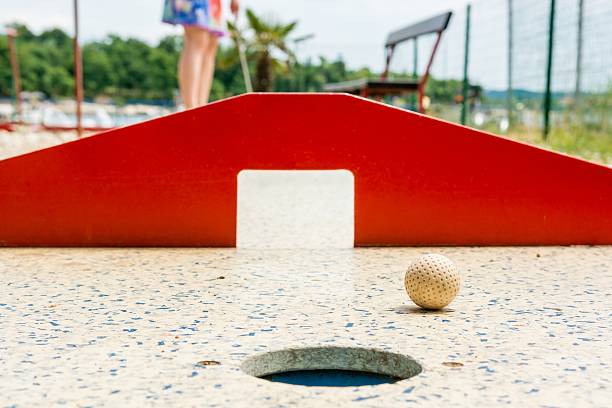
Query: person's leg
point(190, 65)
point(208, 69)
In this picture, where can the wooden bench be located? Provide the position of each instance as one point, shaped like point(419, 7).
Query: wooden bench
point(383, 86)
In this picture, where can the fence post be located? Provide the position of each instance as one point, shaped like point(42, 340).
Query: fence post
point(10, 35)
point(415, 71)
point(549, 63)
point(579, 51)
point(466, 83)
point(78, 71)
point(510, 51)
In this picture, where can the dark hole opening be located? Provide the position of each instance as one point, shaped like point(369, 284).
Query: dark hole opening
point(332, 366)
point(331, 378)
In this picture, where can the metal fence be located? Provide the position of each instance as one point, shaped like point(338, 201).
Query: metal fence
point(540, 64)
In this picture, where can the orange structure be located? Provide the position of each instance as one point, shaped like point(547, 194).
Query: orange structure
point(172, 181)
point(7, 126)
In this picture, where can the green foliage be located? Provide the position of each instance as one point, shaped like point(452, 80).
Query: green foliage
point(6, 81)
point(444, 91)
point(45, 62)
point(580, 140)
point(268, 39)
point(586, 129)
point(129, 69)
point(114, 67)
point(310, 77)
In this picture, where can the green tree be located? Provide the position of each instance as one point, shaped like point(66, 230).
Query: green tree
point(228, 74)
point(97, 70)
point(23, 31)
point(56, 81)
point(129, 69)
point(268, 43)
point(6, 76)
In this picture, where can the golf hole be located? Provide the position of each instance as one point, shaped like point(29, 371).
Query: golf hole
point(296, 209)
point(332, 367)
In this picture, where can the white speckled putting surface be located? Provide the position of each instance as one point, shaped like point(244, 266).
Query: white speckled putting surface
point(126, 327)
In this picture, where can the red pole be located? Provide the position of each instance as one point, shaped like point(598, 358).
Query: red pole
point(389, 55)
point(423, 81)
point(11, 34)
point(78, 73)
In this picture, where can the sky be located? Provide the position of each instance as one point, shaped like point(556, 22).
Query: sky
point(355, 29)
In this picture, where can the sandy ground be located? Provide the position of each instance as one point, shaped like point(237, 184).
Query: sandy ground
point(26, 139)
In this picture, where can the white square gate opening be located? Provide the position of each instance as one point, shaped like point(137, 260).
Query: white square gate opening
point(296, 209)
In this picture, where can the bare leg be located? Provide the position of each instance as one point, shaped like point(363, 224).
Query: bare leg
point(208, 69)
point(190, 65)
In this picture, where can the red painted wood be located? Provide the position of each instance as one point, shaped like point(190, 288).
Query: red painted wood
point(418, 181)
point(425, 77)
point(7, 126)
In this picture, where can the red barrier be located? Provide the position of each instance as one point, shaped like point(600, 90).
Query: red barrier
point(7, 126)
point(418, 180)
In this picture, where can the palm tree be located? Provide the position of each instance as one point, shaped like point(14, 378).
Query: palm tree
point(269, 39)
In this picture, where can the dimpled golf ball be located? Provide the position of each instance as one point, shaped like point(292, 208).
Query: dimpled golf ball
point(432, 281)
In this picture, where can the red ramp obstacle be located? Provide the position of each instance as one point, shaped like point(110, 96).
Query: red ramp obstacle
point(7, 126)
point(418, 180)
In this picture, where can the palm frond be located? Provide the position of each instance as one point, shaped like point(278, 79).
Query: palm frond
point(255, 22)
point(303, 38)
point(286, 29)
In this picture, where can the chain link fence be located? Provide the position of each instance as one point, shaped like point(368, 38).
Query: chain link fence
point(537, 70)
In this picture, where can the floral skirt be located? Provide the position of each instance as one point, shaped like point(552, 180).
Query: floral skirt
point(206, 14)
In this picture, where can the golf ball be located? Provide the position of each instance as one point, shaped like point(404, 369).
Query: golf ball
point(432, 281)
